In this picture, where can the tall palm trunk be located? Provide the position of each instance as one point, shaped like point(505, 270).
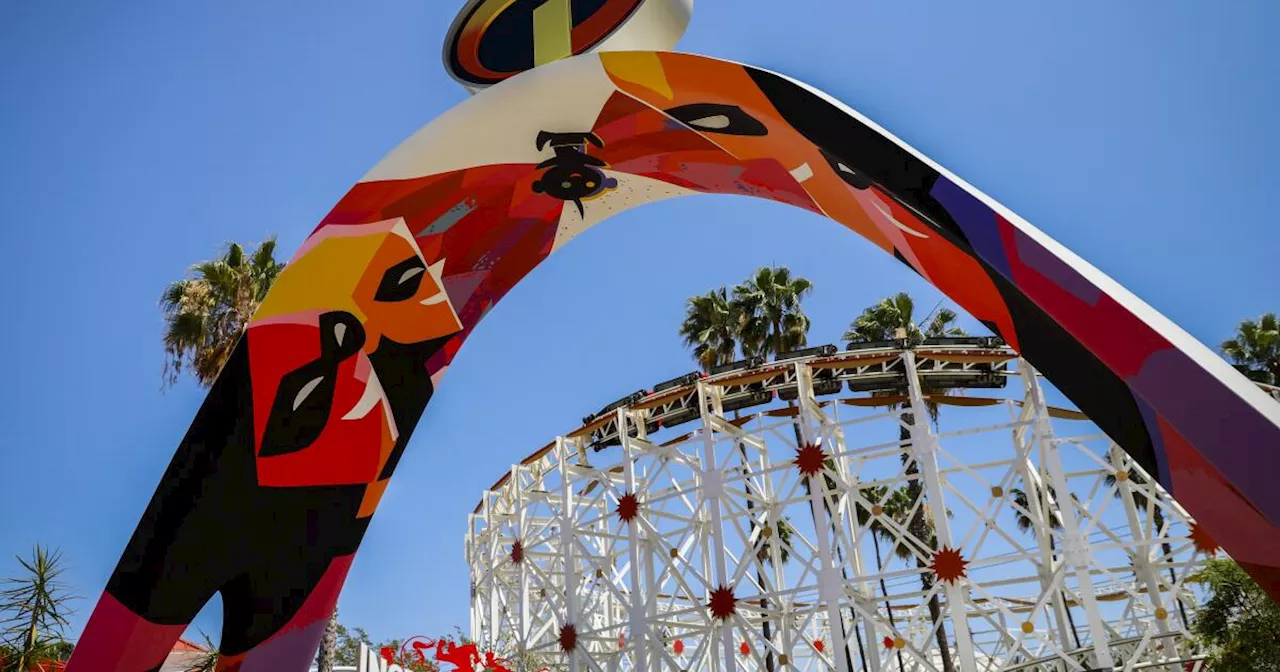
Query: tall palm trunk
point(328, 644)
point(919, 528)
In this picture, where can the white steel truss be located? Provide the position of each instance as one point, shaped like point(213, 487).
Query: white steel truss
point(838, 530)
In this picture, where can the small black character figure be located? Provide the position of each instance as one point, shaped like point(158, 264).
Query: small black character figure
point(572, 174)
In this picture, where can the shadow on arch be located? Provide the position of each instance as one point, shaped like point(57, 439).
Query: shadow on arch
point(271, 490)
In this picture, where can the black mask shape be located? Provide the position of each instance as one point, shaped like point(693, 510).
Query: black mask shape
point(304, 399)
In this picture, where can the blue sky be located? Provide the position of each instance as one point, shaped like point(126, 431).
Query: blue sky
point(135, 138)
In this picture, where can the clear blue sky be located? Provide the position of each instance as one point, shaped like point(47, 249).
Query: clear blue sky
point(135, 138)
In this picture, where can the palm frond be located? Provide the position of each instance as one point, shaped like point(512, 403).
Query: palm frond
point(768, 303)
point(1255, 349)
point(207, 313)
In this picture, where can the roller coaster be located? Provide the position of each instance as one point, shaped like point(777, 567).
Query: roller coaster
point(683, 527)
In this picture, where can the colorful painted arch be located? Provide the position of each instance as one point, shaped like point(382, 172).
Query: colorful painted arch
point(294, 445)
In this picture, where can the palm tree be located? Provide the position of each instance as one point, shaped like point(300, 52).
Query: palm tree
point(1142, 503)
point(769, 306)
point(1255, 350)
point(882, 322)
point(328, 644)
point(894, 318)
point(206, 314)
point(34, 608)
point(1025, 524)
point(711, 328)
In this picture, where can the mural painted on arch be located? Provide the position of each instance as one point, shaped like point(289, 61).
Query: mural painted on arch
point(290, 452)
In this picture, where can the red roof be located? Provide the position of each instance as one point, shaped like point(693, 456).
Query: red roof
point(184, 646)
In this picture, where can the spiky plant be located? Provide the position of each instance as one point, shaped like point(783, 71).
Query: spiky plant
point(34, 608)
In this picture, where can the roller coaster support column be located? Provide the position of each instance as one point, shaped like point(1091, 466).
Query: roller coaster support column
point(1073, 551)
point(712, 479)
point(1037, 501)
point(469, 545)
point(830, 584)
point(639, 635)
point(784, 616)
point(522, 533)
point(924, 445)
point(493, 600)
point(567, 524)
point(1144, 545)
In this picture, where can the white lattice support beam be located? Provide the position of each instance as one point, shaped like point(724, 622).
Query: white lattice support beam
point(712, 483)
point(1141, 557)
point(782, 619)
point(1074, 551)
point(1042, 527)
point(493, 598)
point(924, 445)
point(568, 521)
point(863, 584)
point(638, 642)
point(830, 585)
point(470, 545)
point(522, 530)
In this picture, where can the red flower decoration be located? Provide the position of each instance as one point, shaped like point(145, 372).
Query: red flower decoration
point(678, 646)
point(744, 649)
point(817, 644)
point(628, 507)
point(723, 603)
point(888, 642)
point(568, 638)
point(517, 552)
point(948, 565)
point(810, 459)
point(1202, 541)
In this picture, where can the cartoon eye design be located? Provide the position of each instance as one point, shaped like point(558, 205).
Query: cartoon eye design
point(850, 176)
point(717, 118)
point(401, 282)
point(304, 399)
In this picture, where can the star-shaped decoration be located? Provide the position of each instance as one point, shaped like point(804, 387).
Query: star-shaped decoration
point(628, 507)
point(810, 459)
point(517, 552)
point(948, 565)
point(1202, 541)
point(819, 645)
point(723, 604)
point(568, 638)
